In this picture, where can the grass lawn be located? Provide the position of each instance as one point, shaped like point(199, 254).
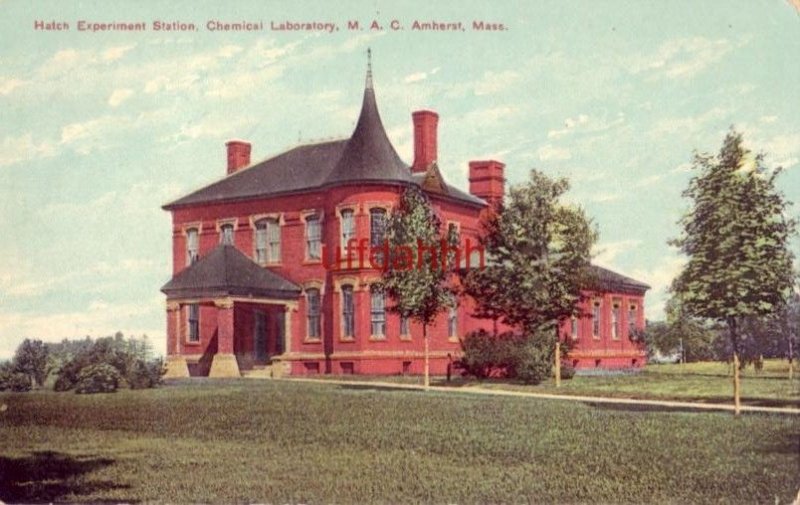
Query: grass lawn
point(700, 382)
point(280, 441)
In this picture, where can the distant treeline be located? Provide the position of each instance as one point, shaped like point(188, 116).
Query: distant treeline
point(83, 365)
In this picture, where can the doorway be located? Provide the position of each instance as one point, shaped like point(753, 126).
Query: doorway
point(260, 337)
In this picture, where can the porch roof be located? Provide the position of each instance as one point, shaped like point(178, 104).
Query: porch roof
point(226, 271)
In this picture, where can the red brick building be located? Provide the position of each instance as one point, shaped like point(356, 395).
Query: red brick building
point(256, 285)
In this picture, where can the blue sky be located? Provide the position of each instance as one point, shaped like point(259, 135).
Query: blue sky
point(101, 129)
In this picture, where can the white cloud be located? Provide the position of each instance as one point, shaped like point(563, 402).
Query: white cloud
point(87, 136)
point(114, 53)
point(118, 96)
point(495, 82)
point(9, 85)
point(681, 58)
point(551, 153)
point(99, 318)
point(782, 150)
point(659, 277)
point(24, 148)
point(605, 253)
point(768, 119)
point(687, 125)
point(416, 77)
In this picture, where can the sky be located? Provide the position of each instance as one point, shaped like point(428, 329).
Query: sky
point(100, 129)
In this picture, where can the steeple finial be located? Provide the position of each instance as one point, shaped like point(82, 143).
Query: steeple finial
point(369, 68)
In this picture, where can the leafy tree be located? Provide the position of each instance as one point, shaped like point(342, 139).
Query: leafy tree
point(538, 251)
point(694, 336)
point(736, 236)
point(31, 360)
point(416, 278)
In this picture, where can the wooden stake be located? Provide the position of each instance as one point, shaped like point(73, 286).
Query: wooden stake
point(737, 403)
point(558, 363)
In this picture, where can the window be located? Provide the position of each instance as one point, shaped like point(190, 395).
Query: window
point(404, 330)
point(615, 321)
point(348, 226)
point(268, 241)
point(573, 330)
point(348, 314)
point(377, 313)
point(377, 227)
point(192, 246)
point(596, 320)
point(226, 234)
point(193, 322)
point(313, 237)
point(631, 320)
point(312, 311)
point(452, 322)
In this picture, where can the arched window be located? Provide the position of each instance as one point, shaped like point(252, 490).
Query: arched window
point(615, 321)
point(268, 241)
point(193, 322)
point(452, 322)
point(192, 246)
point(404, 329)
point(226, 234)
point(377, 226)
point(596, 319)
point(313, 313)
point(348, 312)
point(313, 237)
point(348, 226)
point(631, 320)
point(377, 313)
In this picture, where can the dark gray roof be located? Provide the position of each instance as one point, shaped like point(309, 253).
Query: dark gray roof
point(227, 271)
point(367, 156)
point(452, 191)
point(298, 169)
point(608, 280)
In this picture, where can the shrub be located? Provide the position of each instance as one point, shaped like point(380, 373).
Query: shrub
point(12, 380)
point(567, 371)
point(144, 374)
point(102, 378)
point(487, 355)
point(533, 364)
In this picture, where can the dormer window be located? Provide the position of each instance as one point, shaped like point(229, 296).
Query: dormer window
point(226, 234)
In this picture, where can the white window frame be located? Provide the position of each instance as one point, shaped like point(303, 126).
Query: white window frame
point(313, 318)
point(193, 323)
point(348, 291)
point(377, 315)
point(597, 314)
point(192, 250)
point(313, 253)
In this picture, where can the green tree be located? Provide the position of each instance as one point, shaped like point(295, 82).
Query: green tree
point(31, 360)
point(736, 237)
point(415, 277)
point(539, 252)
point(681, 332)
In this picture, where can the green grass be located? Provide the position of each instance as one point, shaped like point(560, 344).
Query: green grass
point(276, 441)
point(708, 382)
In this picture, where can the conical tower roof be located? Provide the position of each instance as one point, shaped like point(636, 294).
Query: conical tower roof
point(369, 155)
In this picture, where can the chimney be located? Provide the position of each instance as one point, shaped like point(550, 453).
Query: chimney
point(486, 180)
point(238, 155)
point(425, 151)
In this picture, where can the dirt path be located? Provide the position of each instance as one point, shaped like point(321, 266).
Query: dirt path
point(477, 390)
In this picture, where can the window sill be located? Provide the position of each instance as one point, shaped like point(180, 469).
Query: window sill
point(452, 339)
point(377, 338)
point(405, 338)
point(189, 342)
point(312, 340)
point(278, 264)
point(311, 262)
point(347, 339)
